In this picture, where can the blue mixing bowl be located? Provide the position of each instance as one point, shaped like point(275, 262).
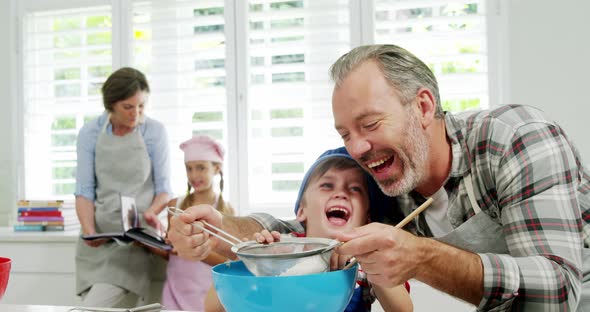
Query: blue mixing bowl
point(239, 290)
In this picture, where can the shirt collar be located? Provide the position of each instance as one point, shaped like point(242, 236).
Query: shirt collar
point(104, 117)
point(457, 135)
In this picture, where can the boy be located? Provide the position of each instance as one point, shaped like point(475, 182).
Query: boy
point(334, 197)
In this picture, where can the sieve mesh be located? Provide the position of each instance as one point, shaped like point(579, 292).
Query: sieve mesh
point(287, 249)
point(290, 256)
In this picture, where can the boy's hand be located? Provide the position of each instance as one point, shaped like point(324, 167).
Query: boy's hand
point(266, 237)
point(338, 261)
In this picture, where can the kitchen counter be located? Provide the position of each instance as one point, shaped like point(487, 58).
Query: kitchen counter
point(40, 308)
point(44, 269)
point(7, 234)
point(31, 308)
point(43, 273)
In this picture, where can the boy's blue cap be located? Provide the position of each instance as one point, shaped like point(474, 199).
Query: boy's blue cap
point(378, 201)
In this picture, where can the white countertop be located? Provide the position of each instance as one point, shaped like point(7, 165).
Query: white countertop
point(7, 234)
point(40, 308)
point(31, 308)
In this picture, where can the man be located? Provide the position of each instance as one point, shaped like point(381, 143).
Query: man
point(511, 196)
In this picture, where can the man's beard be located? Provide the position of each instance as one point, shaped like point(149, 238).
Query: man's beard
point(414, 157)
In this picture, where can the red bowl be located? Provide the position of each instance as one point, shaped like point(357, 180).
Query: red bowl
point(4, 273)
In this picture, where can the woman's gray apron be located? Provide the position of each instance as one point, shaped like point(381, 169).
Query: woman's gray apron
point(481, 234)
point(122, 167)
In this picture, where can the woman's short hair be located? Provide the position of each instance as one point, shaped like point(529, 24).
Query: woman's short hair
point(121, 85)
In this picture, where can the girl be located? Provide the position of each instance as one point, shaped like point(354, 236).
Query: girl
point(187, 282)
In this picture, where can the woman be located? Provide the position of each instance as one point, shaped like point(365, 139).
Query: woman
point(122, 152)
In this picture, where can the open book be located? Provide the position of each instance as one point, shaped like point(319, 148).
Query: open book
point(132, 229)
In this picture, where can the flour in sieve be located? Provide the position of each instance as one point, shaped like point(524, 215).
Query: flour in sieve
point(307, 265)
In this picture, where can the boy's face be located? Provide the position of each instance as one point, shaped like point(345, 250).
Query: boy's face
point(335, 202)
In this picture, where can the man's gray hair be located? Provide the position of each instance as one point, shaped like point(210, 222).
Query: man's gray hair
point(402, 69)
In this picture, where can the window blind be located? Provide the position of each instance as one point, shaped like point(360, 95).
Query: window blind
point(66, 57)
point(201, 56)
point(180, 46)
point(291, 45)
point(449, 36)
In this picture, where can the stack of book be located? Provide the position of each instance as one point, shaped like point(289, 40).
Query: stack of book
point(41, 215)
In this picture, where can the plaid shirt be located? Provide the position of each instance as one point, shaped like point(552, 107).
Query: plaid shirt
point(528, 177)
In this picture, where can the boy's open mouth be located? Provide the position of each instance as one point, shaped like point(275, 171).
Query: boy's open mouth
point(338, 215)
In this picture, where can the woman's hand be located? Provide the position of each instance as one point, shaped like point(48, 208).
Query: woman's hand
point(152, 219)
point(96, 242)
point(157, 251)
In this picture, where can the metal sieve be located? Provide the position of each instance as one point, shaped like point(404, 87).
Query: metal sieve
point(289, 256)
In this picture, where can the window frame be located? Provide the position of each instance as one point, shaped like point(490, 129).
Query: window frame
point(236, 65)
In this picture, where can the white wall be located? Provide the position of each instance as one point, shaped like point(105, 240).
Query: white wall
point(7, 109)
point(549, 62)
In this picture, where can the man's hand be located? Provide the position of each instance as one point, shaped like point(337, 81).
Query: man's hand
point(189, 241)
point(389, 256)
point(338, 261)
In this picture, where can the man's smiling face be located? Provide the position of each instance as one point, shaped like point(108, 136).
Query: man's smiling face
point(380, 132)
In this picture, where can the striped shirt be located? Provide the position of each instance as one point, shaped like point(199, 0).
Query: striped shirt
point(528, 177)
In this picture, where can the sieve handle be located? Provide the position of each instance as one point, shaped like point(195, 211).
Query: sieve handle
point(177, 212)
point(405, 221)
point(216, 234)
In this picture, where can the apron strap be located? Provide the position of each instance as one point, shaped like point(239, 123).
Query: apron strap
point(106, 123)
point(471, 194)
